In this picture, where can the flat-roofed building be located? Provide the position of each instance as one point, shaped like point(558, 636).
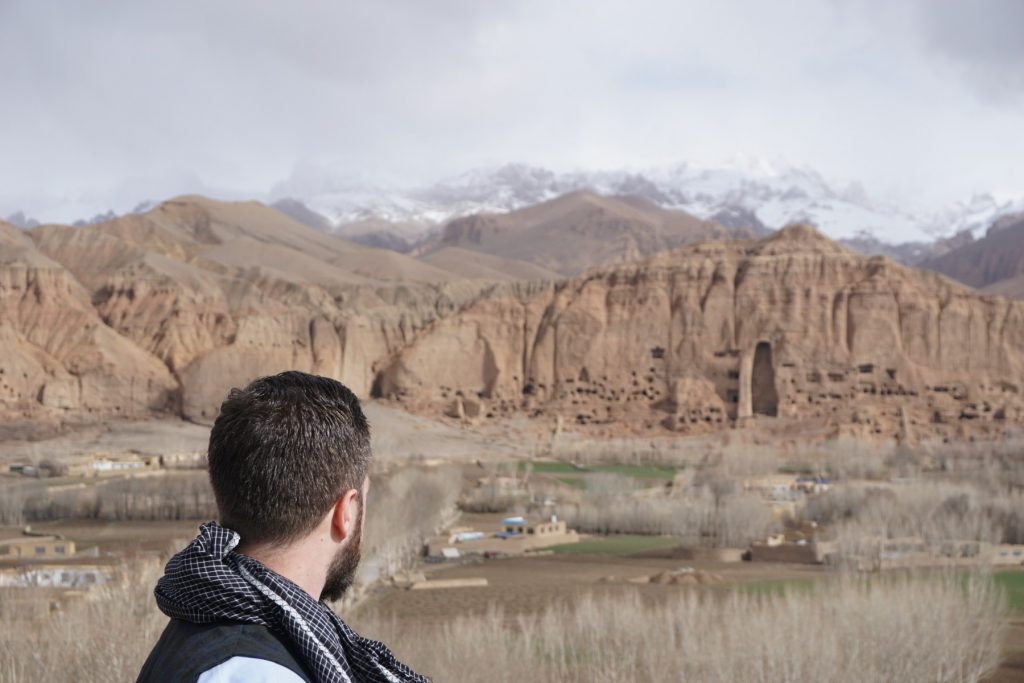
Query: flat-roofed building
point(36, 547)
point(106, 464)
point(56, 576)
point(517, 535)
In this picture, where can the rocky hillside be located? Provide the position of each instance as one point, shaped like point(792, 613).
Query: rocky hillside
point(792, 326)
point(57, 354)
point(580, 230)
point(166, 311)
point(993, 263)
point(1012, 287)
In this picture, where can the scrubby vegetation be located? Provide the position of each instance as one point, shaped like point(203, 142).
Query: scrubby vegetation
point(697, 517)
point(930, 510)
point(103, 638)
point(908, 628)
point(911, 629)
point(174, 496)
point(106, 636)
point(171, 496)
point(404, 509)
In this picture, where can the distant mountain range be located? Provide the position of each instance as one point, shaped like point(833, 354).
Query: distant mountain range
point(749, 193)
point(576, 231)
point(579, 229)
point(754, 195)
point(993, 264)
point(611, 312)
point(568, 216)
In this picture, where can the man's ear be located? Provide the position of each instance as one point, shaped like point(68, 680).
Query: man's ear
point(346, 514)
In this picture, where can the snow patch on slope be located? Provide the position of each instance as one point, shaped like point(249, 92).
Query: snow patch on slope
point(748, 190)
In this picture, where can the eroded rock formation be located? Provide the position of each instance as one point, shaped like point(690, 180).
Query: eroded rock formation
point(792, 325)
point(58, 355)
point(165, 312)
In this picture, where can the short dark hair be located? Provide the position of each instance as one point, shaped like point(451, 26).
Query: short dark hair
point(282, 451)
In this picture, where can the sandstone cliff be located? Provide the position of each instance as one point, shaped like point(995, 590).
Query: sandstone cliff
point(169, 310)
point(198, 296)
point(791, 326)
point(57, 354)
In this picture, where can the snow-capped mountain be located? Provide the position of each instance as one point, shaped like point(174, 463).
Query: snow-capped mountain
point(976, 215)
point(748, 193)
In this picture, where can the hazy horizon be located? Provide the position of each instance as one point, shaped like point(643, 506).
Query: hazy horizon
point(920, 102)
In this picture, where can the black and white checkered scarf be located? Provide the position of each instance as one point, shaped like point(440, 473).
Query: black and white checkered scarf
point(208, 582)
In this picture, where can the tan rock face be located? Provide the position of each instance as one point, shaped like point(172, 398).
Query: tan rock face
point(57, 353)
point(792, 326)
point(170, 310)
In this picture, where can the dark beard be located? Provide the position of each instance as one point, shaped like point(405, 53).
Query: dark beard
point(342, 572)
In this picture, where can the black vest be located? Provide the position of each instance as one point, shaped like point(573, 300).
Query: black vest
point(186, 650)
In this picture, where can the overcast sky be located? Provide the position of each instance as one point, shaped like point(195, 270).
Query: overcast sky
point(106, 103)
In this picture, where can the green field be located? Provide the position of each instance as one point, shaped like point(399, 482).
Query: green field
point(618, 544)
point(775, 586)
point(635, 471)
point(1013, 583)
point(638, 471)
point(551, 467)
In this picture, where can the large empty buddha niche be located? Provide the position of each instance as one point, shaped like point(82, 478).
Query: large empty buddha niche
point(762, 382)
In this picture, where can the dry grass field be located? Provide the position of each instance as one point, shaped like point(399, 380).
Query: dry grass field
point(903, 629)
point(909, 628)
point(586, 611)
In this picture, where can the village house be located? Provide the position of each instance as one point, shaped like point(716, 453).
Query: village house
point(1007, 554)
point(792, 548)
point(183, 461)
point(515, 536)
point(912, 551)
point(36, 548)
point(55, 576)
point(515, 527)
point(23, 469)
point(105, 464)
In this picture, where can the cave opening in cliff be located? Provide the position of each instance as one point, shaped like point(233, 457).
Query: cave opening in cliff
point(762, 382)
point(377, 388)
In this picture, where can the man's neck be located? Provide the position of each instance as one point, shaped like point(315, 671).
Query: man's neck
point(294, 562)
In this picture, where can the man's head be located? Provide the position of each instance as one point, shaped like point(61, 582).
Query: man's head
point(288, 455)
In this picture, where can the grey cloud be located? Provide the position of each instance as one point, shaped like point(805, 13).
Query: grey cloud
point(108, 103)
point(985, 38)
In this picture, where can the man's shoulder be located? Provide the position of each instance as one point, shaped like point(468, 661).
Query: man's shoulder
point(220, 633)
point(249, 670)
point(187, 650)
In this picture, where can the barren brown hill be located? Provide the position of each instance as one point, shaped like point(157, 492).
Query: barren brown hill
point(1012, 287)
point(792, 326)
point(580, 230)
point(56, 354)
point(989, 263)
point(476, 265)
point(204, 293)
point(168, 310)
point(235, 233)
